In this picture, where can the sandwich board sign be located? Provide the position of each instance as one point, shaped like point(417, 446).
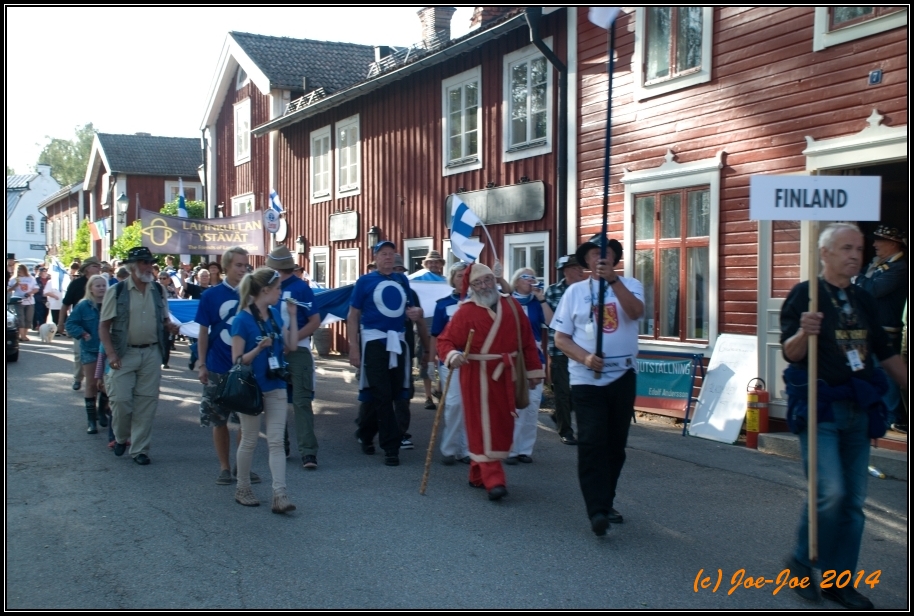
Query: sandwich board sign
point(721, 406)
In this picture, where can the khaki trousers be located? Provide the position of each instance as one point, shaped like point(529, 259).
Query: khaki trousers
point(134, 397)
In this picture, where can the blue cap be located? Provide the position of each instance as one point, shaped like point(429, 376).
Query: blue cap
point(382, 244)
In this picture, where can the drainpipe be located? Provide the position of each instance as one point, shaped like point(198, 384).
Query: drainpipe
point(205, 176)
point(533, 16)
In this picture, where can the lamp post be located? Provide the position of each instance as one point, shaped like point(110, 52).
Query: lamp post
point(374, 236)
point(122, 203)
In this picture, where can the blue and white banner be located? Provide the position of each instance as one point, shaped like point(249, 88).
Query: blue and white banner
point(274, 201)
point(182, 213)
point(463, 221)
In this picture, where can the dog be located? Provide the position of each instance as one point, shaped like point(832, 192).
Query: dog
point(46, 332)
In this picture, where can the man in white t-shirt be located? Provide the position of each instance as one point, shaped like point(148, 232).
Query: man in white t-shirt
point(602, 388)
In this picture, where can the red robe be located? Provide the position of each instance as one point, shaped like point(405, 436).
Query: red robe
point(487, 379)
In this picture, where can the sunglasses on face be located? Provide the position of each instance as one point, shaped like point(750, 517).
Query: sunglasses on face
point(527, 277)
point(274, 278)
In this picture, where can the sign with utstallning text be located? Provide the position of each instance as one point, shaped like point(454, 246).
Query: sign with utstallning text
point(814, 197)
point(202, 236)
point(664, 383)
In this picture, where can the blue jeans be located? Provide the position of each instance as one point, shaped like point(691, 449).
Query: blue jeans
point(844, 454)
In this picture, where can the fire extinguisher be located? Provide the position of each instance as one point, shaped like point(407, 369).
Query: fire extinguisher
point(756, 412)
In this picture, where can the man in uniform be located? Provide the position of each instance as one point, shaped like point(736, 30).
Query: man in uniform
point(561, 387)
point(487, 373)
point(850, 408)
point(75, 293)
point(134, 327)
point(375, 325)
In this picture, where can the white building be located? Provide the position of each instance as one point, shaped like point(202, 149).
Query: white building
point(25, 225)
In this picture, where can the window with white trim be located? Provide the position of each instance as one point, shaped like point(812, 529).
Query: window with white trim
point(243, 131)
point(243, 204)
point(530, 250)
point(461, 119)
point(414, 252)
point(671, 219)
point(449, 257)
point(528, 103)
point(319, 260)
point(835, 25)
point(321, 165)
point(43, 224)
point(192, 190)
point(347, 266)
point(30, 224)
point(348, 157)
point(672, 48)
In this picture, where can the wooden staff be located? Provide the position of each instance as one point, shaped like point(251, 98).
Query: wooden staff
point(438, 413)
point(812, 442)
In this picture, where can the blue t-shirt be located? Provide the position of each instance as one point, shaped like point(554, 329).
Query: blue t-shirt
point(534, 311)
point(382, 300)
point(216, 312)
point(299, 290)
point(444, 310)
point(245, 326)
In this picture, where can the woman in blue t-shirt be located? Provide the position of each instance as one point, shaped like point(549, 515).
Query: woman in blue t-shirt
point(532, 300)
point(257, 340)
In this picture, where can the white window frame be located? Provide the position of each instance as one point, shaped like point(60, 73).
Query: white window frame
point(521, 151)
point(343, 253)
point(417, 242)
point(241, 78)
point(242, 110)
point(467, 163)
point(324, 194)
point(319, 251)
point(347, 190)
point(513, 240)
point(822, 38)
point(671, 175)
point(243, 204)
point(170, 185)
point(449, 257)
point(43, 225)
point(702, 75)
point(30, 222)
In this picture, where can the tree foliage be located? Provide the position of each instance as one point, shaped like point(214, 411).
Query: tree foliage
point(130, 237)
point(69, 158)
point(79, 248)
point(195, 209)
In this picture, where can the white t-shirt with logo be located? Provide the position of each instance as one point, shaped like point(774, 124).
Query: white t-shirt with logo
point(576, 316)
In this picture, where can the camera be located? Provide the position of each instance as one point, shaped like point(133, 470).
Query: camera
point(281, 374)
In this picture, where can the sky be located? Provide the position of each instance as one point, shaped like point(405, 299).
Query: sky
point(150, 69)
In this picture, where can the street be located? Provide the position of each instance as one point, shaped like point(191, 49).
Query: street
point(88, 530)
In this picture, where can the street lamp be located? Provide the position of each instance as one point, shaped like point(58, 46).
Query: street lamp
point(374, 236)
point(122, 203)
point(300, 245)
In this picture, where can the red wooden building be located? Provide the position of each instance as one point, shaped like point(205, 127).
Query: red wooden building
point(705, 97)
point(63, 210)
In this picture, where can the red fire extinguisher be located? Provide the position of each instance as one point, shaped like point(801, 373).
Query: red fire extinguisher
point(756, 412)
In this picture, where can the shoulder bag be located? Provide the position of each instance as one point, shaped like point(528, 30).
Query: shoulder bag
point(239, 391)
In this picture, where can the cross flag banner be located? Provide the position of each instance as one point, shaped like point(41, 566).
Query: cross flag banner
point(463, 221)
point(274, 201)
point(182, 213)
point(603, 16)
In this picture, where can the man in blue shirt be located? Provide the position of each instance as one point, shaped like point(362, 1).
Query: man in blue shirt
point(301, 362)
point(377, 333)
point(215, 314)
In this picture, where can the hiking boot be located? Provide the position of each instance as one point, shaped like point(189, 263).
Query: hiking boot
point(281, 503)
point(245, 496)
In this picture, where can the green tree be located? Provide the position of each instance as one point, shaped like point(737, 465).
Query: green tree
point(79, 248)
point(69, 158)
point(9, 171)
point(130, 237)
point(195, 209)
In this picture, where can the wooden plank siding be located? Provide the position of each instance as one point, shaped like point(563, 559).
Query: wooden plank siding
point(768, 91)
point(151, 191)
point(402, 187)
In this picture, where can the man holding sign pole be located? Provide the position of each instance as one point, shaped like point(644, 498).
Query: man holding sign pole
point(849, 407)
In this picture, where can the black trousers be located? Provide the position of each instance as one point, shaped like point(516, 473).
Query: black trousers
point(561, 388)
point(604, 415)
point(385, 385)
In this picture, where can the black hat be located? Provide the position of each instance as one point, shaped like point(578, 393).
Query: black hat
point(595, 242)
point(567, 261)
point(140, 253)
point(891, 233)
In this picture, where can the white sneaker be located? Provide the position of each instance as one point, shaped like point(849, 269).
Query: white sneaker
point(406, 444)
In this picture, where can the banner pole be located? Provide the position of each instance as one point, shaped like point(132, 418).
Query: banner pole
point(812, 426)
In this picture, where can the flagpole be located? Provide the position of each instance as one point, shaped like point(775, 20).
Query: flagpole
point(603, 230)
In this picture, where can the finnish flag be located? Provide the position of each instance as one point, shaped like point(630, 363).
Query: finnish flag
point(463, 221)
point(274, 202)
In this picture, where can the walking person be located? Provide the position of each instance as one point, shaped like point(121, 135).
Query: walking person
point(24, 286)
point(488, 374)
point(76, 291)
point(258, 339)
point(604, 404)
point(849, 405)
point(134, 330)
point(82, 325)
point(41, 301)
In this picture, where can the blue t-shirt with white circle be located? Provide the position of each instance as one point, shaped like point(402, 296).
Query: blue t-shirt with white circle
point(216, 311)
point(383, 301)
point(246, 327)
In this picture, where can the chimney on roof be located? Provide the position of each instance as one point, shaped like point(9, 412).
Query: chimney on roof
point(144, 134)
point(43, 169)
point(436, 19)
point(484, 15)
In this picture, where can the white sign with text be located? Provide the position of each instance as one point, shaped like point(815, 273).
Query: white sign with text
point(721, 404)
point(814, 197)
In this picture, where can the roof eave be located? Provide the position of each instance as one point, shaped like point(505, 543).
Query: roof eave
point(365, 87)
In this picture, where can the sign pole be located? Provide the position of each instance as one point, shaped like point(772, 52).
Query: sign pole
point(812, 361)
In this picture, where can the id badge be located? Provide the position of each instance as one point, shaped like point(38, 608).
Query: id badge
point(274, 362)
point(588, 331)
point(853, 358)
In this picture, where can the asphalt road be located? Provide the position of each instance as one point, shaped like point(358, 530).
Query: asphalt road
point(87, 530)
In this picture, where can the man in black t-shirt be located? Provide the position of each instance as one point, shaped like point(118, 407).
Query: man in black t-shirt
point(850, 341)
point(76, 291)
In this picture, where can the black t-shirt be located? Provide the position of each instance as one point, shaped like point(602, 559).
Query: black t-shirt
point(848, 325)
point(193, 291)
point(76, 291)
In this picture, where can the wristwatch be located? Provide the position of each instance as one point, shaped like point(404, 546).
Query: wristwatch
point(542, 301)
point(613, 281)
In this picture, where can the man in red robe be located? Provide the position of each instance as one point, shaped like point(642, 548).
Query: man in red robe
point(487, 375)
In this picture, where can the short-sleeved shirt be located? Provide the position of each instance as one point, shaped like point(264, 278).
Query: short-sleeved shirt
point(216, 311)
point(300, 291)
point(534, 311)
point(444, 310)
point(576, 316)
point(383, 301)
point(142, 328)
point(857, 329)
point(76, 291)
point(22, 285)
point(553, 295)
point(245, 326)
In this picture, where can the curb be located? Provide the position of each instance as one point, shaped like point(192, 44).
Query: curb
point(893, 463)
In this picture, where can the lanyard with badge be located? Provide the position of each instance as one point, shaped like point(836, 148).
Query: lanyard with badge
point(847, 320)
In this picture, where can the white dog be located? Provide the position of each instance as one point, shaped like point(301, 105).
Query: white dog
point(46, 332)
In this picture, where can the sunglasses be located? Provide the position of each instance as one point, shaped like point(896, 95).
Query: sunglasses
point(527, 277)
point(274, 278)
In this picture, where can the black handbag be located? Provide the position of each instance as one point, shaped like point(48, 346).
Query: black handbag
point(239, 391)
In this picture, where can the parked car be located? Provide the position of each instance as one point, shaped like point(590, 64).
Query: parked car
point(12, 329)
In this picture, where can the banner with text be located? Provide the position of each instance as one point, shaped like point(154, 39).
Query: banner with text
point(202, 236)
point(664, 383)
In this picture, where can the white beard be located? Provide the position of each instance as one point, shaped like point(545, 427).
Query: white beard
point(147, 277)
point(485, 298)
